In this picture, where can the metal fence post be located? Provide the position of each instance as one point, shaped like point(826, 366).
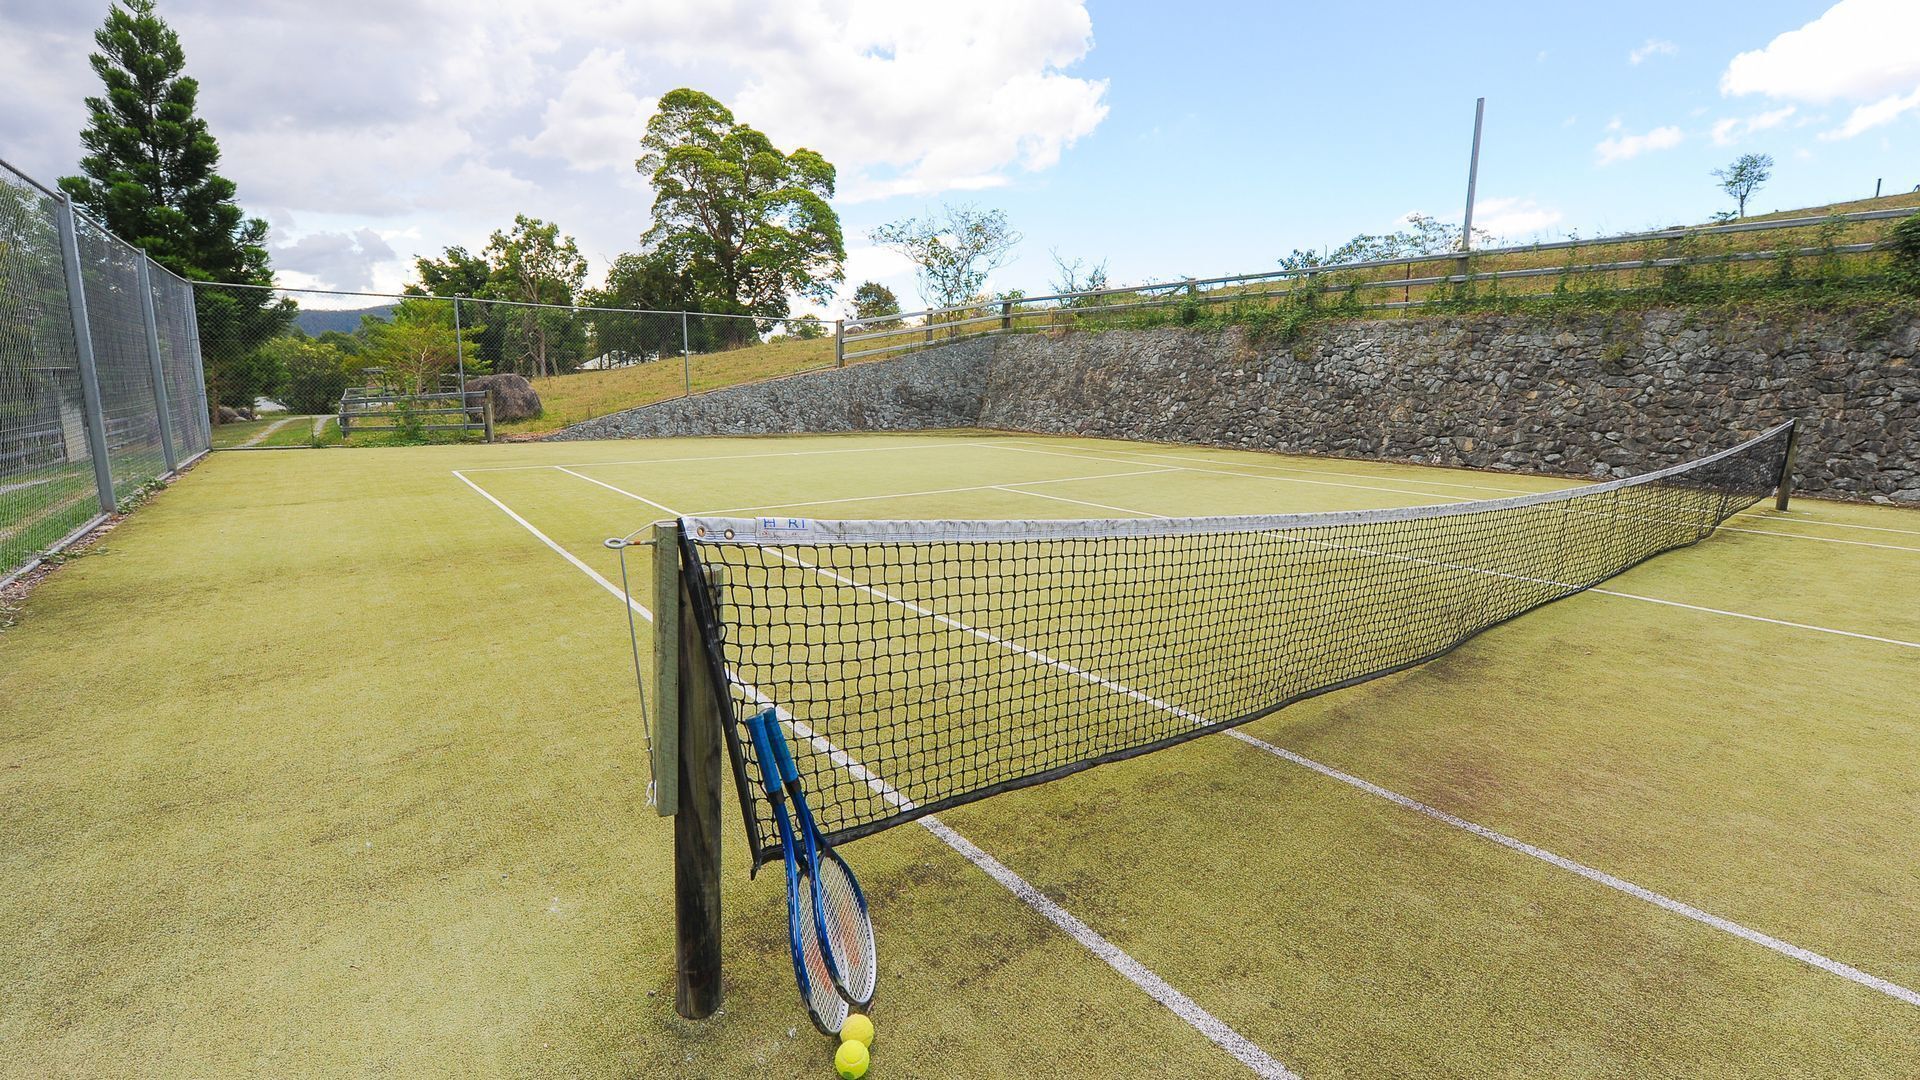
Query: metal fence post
point(686, 357)
point(160, 394)
point(199, 364)
point(96, 414)
point(460, 354)
point(839, 343)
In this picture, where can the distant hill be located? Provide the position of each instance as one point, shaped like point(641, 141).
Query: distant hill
point(315, 323)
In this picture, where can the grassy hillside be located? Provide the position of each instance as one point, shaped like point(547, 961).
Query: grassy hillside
point(583, 395)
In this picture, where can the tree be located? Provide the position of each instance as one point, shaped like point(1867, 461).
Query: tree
point(416, 347)
point(1075, 277)
point(873, 302)
point(1744, 177)
point(314, 373)
point(952, 252)
point(807, 328)
point(751, 225)
point(534, 264)
point(149, 174)
point(1425, 235)
point(456, 273)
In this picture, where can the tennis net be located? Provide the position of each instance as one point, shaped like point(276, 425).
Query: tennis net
point(925, 664)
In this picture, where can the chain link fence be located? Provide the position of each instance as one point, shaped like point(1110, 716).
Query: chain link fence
point(331, 350)
point(101, 390)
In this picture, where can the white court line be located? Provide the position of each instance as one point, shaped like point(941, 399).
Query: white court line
point(721, 457)
point(1820, 523)
point(737, 510)
point(1544, 581)
point(670, 511)
point(562, 552)
point(1807, 956)
point(1217, 1031)
point(1401, 491)
point(1243, 475)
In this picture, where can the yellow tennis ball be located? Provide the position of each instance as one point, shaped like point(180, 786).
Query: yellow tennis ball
point(858, 1028)
point(851, 1060)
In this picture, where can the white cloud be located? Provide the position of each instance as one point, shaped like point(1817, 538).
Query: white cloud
point(432, 122)
point(340, 260)
point(1650, 48)
point(915, 99)
point(1509, 217)
point(1866, 117)
point(1624, 147)
point(595, 121)
point(1859, 52)
point(1729, 130)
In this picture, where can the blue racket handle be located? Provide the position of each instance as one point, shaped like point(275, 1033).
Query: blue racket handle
point(769, 771)
point(779, 740)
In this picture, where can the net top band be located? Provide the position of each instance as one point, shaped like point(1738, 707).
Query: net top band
point(788, 531)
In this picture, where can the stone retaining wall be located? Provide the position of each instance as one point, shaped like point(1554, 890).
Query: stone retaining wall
point(1593, 396)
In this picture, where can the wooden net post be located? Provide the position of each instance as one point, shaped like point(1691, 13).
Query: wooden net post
point(687, 749)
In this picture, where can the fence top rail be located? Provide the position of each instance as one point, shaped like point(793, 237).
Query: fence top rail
point(488, 300)
point(1680, 232)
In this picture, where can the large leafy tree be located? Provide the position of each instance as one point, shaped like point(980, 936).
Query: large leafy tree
point(534, 264)
point(749, 224)
point(149, 174)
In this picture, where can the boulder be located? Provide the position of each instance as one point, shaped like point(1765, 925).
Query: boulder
point(513, 396)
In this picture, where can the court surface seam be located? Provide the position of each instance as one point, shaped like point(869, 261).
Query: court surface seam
point(1217, 1031)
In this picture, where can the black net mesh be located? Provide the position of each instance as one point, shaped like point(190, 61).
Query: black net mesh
point(923, 664)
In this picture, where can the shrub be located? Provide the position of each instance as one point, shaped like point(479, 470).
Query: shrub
point(313, 374)
point(1903, 243)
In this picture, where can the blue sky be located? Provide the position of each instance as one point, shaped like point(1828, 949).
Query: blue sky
point(1237, 132)
point(1170, 141)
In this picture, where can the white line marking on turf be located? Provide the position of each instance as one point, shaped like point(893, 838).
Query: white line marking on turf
point(562, 552)
point(1114, 457)
point(1717, 922)
point(1243, 475)
point(657, 506)
point(1785, 948)
point(1243, 1049)
point(723, 457)
point(1182, 1006)
point(1545, 581)
point(1793, 517)
point(736, 510)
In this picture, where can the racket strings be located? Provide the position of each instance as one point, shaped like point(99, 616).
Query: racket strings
point(849, 930)
point(829, 1009)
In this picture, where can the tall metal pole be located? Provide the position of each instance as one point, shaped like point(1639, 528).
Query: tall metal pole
point(1473, 175)
point(160, 394)
point(96, 413)
point(686, 356)
point(459, 351)
point(199, 366)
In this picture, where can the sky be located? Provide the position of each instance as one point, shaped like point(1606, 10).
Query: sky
point(1195, 140)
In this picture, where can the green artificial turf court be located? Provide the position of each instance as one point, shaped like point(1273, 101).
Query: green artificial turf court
point(330, 762)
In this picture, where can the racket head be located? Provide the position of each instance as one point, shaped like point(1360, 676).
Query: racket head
point(844, 928)
point(846, 931)
point(825, 1005)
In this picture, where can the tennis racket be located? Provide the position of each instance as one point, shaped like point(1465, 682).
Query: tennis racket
point(825, 1006)
point(839, 907)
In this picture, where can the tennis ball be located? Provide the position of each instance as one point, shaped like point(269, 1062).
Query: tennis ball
point(851, 1060)
point(858, 1028)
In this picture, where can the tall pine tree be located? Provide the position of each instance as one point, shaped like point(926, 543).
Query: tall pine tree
point(149, 175)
